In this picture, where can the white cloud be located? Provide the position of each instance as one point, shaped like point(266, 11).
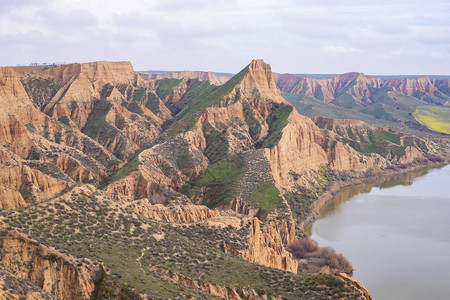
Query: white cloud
point(341, 49)
point(294, 36)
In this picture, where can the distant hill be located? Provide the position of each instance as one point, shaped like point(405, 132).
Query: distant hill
point(381, 101)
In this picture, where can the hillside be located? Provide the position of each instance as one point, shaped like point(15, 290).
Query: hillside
point(387, 101)
point(116, 185)
point(379, 101)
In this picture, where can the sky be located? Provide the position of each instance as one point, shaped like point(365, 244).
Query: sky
point(304, 36)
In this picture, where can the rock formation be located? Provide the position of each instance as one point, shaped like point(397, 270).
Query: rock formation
point(361, 87)
point(157, 176)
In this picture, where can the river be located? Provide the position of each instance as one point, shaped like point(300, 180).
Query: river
point(396, 233)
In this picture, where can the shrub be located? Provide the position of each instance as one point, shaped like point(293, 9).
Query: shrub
point(303, 246)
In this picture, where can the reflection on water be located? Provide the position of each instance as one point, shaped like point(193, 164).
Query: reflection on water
point(365, 187)
point(395, 231)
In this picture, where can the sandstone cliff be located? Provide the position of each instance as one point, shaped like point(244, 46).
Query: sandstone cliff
point(266, 248)
point(49, 270)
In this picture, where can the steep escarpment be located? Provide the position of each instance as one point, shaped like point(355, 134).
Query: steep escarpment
point(169, 183)
point(64, 277)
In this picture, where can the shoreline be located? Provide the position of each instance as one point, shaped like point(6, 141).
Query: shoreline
point(330, 192)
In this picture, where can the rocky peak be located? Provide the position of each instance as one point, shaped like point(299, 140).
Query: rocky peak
point(12, 92)
point(259, 82)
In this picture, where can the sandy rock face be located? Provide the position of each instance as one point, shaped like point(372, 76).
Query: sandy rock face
point(411, 154)
point(46, 268)
point(19, 180)
point(174, 214)
point(266, 248)
point(259, 78)
point(298, 149)
point(12, 92)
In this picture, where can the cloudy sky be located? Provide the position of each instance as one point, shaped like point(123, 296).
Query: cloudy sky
point(295, 36)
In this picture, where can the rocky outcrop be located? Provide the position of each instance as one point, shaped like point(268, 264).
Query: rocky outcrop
point(174, 214)
point(359, 285)
point(411, 154)
point(21, 185)
point(64, 277)
point(12, 93)
point(265, 247)
point(298, 149)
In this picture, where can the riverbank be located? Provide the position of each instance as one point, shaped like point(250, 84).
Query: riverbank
point(394, 230)
point(329, 193)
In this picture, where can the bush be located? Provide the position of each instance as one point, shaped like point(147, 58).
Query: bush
point(303, 246)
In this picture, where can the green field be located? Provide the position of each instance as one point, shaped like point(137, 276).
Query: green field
point(434, 117)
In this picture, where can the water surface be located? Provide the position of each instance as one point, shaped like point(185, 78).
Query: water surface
point(396, 233)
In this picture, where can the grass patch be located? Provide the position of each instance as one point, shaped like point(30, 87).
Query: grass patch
point(345, 100)
point(380, 141)
point(153, 103)
point(219, 181)
point(64, 120)
point(165, 86)
point(252, 122)
point(123, 172)
point(277, 120)
point(434, 117)
point(97, 118)
point(268, 197)
point(377, 111)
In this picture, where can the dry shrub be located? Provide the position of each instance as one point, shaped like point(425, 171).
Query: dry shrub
point(301, 247)
point(334, 260)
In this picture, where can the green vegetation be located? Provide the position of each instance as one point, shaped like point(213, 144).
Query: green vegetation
point(139, 94)
point(380, 141)
point(208, 95)
point(41, 90)
point(130, 166)
point(219, 181)
point(153, 103)
point(65, 120)
point(166, 86)
point(434, 117)
point(19, 286)
point(97, 118)
point(184, 159)
point(217, 144)
point(136, 261)
point(318, 94)
point(30, 127)
point(119, 123)
point(277, 120)
point(377, 110)
point(345, 100)
point(253, 124)
point(267, 197)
